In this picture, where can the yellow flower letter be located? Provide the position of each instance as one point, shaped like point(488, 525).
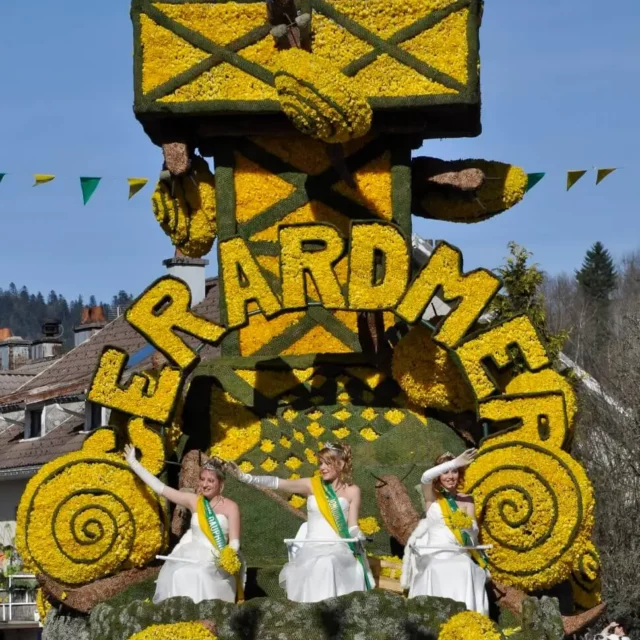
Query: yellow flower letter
point(134, 400)
point(313, 250)
point(377, 247)
point(243, 282)
point(164, 307)
point(444, 270)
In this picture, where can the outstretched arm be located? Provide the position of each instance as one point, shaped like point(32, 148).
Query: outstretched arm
point(187, 500)
point(233, 517)
point(462, 460)
point(302, 485)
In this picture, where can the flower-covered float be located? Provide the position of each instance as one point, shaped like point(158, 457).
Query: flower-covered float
point(311, 111)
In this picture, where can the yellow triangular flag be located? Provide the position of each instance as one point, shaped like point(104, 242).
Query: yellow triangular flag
point(41, 178)
point(603, 173)
point(573, 177)
point(135, 184)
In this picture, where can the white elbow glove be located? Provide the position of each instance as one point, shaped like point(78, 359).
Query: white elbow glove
point(235, 544)
point(431, 474)
point(146, 476)
point(270, 482)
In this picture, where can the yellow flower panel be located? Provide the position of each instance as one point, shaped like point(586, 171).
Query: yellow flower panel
point(469, 625)
point(369, 434)
point(221, 22)
point(222, 82)
point(386, 17)
point(335, 43)
point(165, 54)
point(264, 53)
point(317, 340)
point(313, 211)
point(297, 501)
point(175, 631)
point(260, 331)
point(371, 377)
point(234, 429)
point(256, 189)
point(444, 46)
point(386, 77)
point(274, 383)
point(373, 187)
point(304, 153)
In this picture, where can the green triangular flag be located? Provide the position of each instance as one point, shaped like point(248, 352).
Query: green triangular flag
point(533, 179)
point(88, 186)
point(2, 175)
point(603, 173)
point(573, 177)
point(135, 184)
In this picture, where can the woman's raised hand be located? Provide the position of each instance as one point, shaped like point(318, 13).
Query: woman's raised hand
point(129, 454)
point(466, 458)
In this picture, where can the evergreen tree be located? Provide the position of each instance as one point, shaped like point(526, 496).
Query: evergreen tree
point(522, 293)
point(597, 277)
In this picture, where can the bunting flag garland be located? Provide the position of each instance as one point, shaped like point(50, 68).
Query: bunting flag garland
point(533, 179)
point(135, 185)
point(88, 186)
point(603, 173)
point(42, 178)
point(574, 176)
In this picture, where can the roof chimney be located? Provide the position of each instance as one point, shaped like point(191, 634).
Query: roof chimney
point(5, 334)
point(50, 345)
point(91, 322)
point(191, 271)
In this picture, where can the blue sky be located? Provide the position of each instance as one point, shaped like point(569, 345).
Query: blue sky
point(560, 90)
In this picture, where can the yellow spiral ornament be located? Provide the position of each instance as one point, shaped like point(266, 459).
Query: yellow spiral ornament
point(185, 207)
point(535, 507)
point(469, 625)
point(585, 578)
point(85, 515)
point(319, 99)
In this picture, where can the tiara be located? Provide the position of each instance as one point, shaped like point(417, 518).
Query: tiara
point(214, 464)
point(333, 447)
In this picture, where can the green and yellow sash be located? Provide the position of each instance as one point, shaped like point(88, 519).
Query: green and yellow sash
point(210, 525)
point(449, 506)
point(330, 508)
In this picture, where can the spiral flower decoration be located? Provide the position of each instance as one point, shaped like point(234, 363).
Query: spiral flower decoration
point(319, 100)
point(85, 515)
point(186, 209)
point(535, 507)
point(585, 578)
point(469, 625)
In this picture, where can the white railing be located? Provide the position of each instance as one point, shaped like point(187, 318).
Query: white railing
point(17, 604)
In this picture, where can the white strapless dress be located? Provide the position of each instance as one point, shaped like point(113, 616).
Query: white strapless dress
point(322, 570)
point(202, 581)
point(446, 574)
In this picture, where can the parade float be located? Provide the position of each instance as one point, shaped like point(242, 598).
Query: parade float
point(312, 112)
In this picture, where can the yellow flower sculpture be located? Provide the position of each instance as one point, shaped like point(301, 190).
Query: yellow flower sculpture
point(585, 578)
point(504, 186)
point(185, 207)
point(175, 631)
point(469, 625)
point(319, 100)
point(85, 515)
point(43, 605)
point(535, 506)
point(428, 375)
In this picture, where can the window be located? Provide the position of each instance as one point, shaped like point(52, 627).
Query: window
point(95, 417)
point(34, 423)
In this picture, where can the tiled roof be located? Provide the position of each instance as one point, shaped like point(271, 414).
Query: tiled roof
point(72, 373)
point(10, 381)
point(15, 454)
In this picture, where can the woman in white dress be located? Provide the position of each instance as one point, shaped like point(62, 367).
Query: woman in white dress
point(215, 525)
point(449, 524)
point(324, 569)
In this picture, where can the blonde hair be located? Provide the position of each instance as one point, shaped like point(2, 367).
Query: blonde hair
point(338, 456)
point(436, 485)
